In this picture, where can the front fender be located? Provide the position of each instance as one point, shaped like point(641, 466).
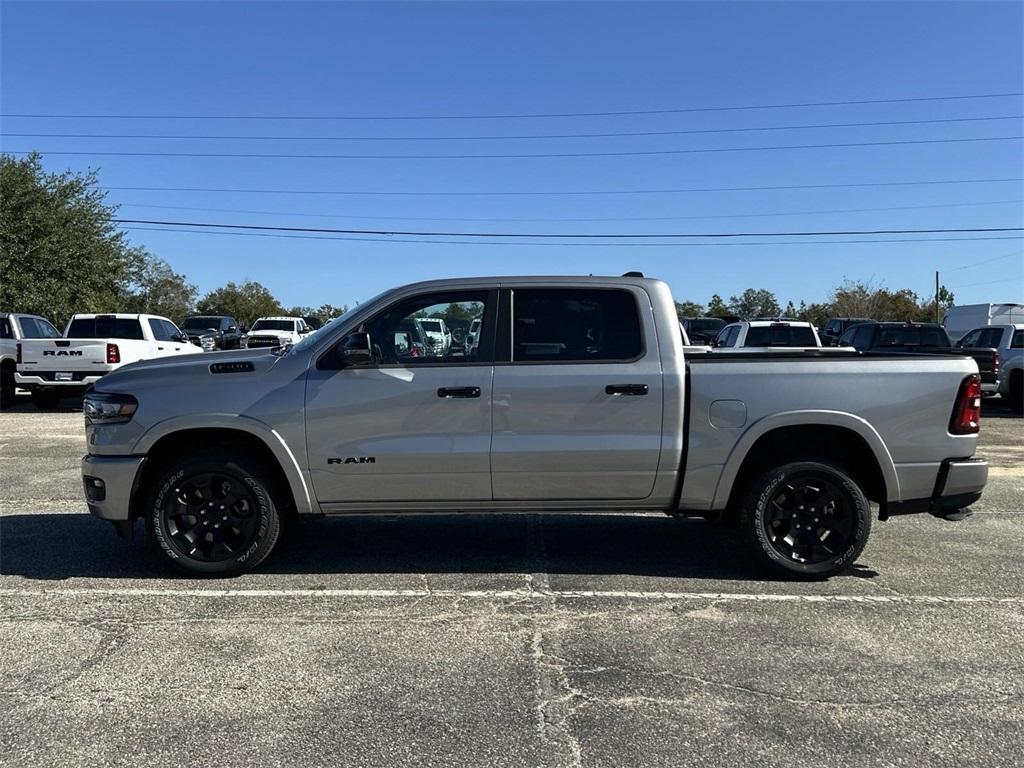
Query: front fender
point(842, 419)
point(271, 438)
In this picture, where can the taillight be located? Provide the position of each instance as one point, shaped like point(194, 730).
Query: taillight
point(995, 362)
point(17, 354)
point(967, 411)
point(113, 354)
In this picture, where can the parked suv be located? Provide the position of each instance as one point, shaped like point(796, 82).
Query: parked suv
point(213, 332)
point(13, 328)
point(1008, 343)
point(437, 334)
point(763, 334)
point(702, 330)
point(836, 327)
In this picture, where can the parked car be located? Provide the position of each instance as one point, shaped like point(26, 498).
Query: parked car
point(766, 334)
point(836, 327)
point(213, 332)
point(276, 331)
point(1008, 343)
point(702, 330)
point(967, 317)
point(14, 327)
point(436, 333)
point(581, 398)
point(92, 346)
point(921, 338)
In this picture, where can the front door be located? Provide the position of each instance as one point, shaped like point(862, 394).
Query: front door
point(414, 425)
point(578, 399)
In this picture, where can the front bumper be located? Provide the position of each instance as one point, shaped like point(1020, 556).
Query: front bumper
point(108, 483)
point(959, 483)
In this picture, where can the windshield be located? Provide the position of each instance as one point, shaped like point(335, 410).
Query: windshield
point(273, 325)
point(701, 324)
point(201, 323)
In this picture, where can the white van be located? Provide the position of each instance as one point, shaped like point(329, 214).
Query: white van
point(959, 320)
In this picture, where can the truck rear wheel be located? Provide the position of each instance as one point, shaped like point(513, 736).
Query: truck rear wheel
point(805, 519)
point(45, 399)
point(7, 384)
point(213, 514)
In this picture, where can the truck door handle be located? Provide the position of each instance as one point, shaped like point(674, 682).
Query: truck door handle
point(626, 389)
point(449, 392)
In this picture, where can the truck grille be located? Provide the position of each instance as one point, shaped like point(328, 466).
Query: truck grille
point(264, 341)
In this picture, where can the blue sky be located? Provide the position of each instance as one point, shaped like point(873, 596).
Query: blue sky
point(188, 59)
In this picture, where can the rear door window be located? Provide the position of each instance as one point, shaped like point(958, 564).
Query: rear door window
point(37, 328)
point(5, 329)
point(574, 325)
point(1018, 340)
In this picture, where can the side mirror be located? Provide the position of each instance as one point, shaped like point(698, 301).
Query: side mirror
point(355, 350)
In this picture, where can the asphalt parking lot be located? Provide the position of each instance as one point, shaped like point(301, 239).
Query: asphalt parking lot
point(509, 640)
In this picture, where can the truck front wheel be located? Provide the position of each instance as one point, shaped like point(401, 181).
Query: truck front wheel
point(805, 519)
point(213, 514)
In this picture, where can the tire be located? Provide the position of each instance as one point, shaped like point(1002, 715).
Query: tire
point(184, 513)
point(1017, 392)
point(805, 519)
point(7, 385)
point(46, 400)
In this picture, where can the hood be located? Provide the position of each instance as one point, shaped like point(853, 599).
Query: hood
point(180, 369)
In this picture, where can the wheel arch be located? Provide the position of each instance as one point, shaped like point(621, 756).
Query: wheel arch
point(811, 435)
point(175, 438)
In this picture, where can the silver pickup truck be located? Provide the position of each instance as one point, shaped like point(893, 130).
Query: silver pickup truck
point(578, 397)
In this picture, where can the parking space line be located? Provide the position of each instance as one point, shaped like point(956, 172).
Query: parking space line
point(514, 594)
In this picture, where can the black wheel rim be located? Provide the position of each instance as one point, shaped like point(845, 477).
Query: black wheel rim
point(809, 520)
point(211, 517)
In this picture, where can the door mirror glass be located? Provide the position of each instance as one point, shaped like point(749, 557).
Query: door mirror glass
point(355, 350)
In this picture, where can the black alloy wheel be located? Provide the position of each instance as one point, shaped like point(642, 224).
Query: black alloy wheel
point(214, 513)
point(806, 519)
point(211, 517)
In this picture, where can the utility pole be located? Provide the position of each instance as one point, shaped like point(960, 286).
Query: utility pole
point(936, 296)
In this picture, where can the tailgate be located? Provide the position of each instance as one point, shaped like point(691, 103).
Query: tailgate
point(64, 355)
point(986, 360)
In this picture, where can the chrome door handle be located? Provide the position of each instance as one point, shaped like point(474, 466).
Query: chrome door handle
point(626, 389)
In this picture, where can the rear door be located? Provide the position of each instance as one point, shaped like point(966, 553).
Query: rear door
point(415, 425)
point(577, 395)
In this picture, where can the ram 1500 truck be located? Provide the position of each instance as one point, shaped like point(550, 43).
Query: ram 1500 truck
point(93, 346)
point(578, 397)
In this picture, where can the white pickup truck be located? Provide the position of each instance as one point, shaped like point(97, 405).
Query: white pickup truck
point(13, 328)
point(93, 345)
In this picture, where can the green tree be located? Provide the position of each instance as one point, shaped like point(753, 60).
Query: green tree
point(928, 312)
point(717, 307)
point(689, 309)
point(323, 313)
point(816, 314)
point(246, 302)
point(60, 250)
point(790, 310)
point(155, 288)
point(754, 302)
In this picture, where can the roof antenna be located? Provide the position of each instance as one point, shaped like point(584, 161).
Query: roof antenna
point(633, 274)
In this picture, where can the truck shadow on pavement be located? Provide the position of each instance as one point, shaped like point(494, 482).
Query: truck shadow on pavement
point(63, 546)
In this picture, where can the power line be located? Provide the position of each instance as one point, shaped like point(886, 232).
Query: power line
point(971, 285)
point(984, 261)
point(485, 193)
point(256, 155)
point(546, 244)
point(566, 220)
point(619, 134)
point(674, 111)
point(564, 236)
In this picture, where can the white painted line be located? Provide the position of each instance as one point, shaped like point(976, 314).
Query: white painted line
point(514, 594)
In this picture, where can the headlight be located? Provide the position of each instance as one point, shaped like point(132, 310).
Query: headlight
point(208, 343)
point(108, 408)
